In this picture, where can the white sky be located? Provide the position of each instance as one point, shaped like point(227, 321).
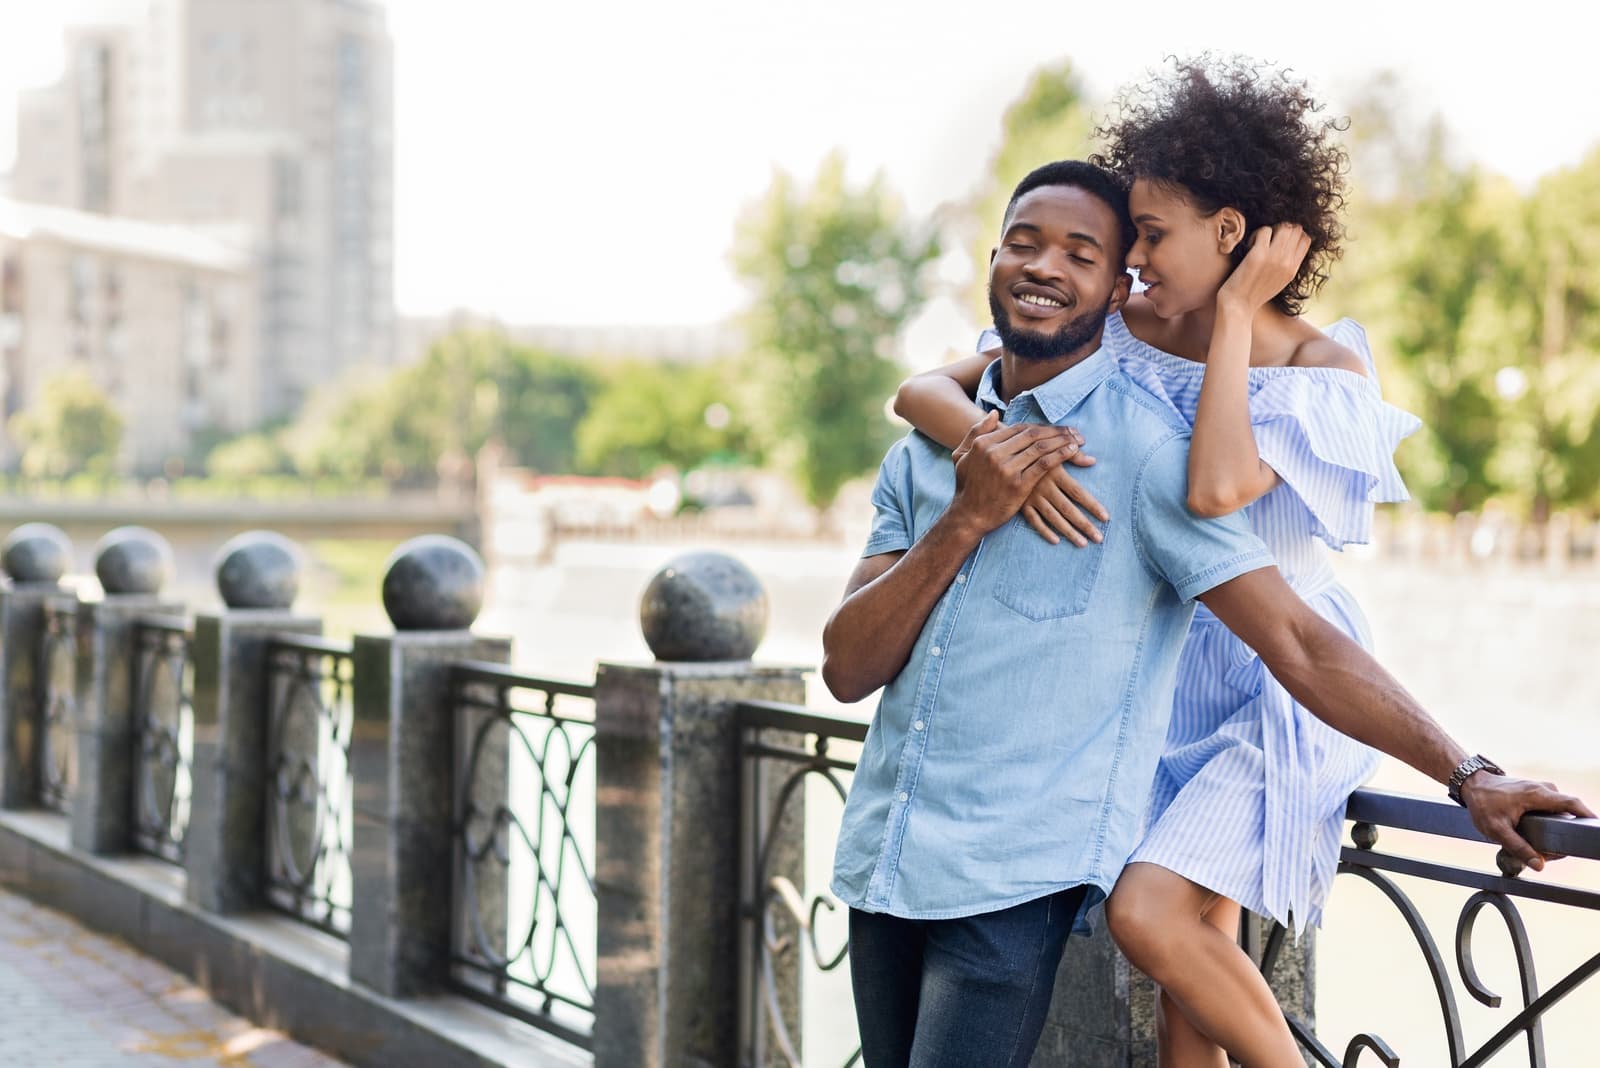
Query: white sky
point(574, 161)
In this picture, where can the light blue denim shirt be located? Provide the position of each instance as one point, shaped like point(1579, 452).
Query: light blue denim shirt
point(1013, 755)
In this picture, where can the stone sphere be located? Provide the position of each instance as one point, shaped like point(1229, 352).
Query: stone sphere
point(703, 606)
point(433, 582)
point(258, 569)
point(132, 560)
point(36, 552)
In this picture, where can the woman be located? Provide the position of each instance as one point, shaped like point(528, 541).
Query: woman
point(1236, 193)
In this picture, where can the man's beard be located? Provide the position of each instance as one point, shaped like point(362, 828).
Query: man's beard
point(1033, 345)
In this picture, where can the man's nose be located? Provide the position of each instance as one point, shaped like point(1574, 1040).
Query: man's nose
point(1046, 264)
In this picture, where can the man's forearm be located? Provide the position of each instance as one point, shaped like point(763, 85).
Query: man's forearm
point(1350, 691)
point(870, 635)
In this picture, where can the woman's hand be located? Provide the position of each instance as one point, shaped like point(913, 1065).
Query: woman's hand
point(1275, 256)
point(1059, 503)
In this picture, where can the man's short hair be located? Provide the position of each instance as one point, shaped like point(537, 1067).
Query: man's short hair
point(1096, 181)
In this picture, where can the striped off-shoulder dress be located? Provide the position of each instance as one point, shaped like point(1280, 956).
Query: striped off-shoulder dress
point(1250, 792)
point(1249, 795)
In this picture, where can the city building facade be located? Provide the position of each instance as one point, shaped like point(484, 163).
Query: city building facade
point(267, 122)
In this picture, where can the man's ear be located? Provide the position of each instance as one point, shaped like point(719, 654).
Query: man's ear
point(1230, 229)
point(993, 252)
point(1119, 292)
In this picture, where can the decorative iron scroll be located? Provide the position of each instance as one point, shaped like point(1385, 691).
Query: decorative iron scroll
point(58, 677)
point(309, 794)
point(1492, 893)
point(793, 944)
point(524, 907)
point(163, 719)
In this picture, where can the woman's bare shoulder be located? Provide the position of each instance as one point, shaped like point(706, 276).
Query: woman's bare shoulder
point(1313, 348)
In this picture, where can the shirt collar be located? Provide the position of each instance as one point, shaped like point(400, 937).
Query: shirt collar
point(1058, 396)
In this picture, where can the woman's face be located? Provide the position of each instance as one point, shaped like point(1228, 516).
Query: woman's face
point(1180, 254)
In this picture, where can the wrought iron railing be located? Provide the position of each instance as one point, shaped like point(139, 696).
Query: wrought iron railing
point(795, 941)
point(58, 705)
point(795, 770)
point(163, 739)
point(310, 815)
point(1370, 810)
point(524, 908)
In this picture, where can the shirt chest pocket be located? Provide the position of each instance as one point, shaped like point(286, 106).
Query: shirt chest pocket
point(1040, 581)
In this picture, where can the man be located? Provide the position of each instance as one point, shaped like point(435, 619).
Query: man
point(1001, 785)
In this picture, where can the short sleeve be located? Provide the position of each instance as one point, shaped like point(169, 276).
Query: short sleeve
point(1331, 437)
point(891, 505)
point(1191, 554)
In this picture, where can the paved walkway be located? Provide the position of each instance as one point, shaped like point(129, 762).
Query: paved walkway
point(70, 998)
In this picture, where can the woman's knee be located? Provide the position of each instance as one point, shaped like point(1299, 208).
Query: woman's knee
point(1137, 922)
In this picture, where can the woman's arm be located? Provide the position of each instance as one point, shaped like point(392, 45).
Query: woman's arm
point(1226, 471)
point(939, 402)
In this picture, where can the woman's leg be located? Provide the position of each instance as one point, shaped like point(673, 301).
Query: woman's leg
point(1157, 917)
point(1181, 1044)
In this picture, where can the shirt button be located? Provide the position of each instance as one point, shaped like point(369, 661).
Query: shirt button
point(904, 796)
point(935, 650)
point(918, 725)
point(961, 580)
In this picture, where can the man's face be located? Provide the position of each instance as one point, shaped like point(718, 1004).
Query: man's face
point(1057, 273)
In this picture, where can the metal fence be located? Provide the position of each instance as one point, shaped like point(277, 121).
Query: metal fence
point(524, 909)
point(795, 770)
point(310, 815)
point(163, 723)
point(1485, 892)
point(58, 679)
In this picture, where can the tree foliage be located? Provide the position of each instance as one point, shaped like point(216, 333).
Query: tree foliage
point(652, 415)
point(470, 387)
point(72, 428)
point(836, 272)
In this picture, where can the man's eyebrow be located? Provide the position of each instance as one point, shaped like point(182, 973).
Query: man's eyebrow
point(1088, 239)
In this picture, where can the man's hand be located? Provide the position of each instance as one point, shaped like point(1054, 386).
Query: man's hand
point(1497, 802)
point(997, 467)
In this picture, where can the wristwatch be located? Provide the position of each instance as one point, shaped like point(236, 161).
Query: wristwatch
point(1464, 770)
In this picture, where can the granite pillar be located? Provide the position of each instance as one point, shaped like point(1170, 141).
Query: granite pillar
point(223, 849)
point(103, 805)
point(667, 869)
point(400, 762)
point(21, 700)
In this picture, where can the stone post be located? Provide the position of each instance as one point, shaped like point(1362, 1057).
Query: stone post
point(401, 763)
point(132, 565)
point(667, 819)
point(34, 557)
point(257, 578)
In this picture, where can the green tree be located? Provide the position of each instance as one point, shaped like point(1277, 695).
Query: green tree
point(1050, 120)
point(72, 428)
point(471, 386)
point(650, 415)
point(247, 456)
point(836, 272)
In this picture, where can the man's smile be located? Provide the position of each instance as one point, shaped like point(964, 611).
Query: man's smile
point(1037, 302)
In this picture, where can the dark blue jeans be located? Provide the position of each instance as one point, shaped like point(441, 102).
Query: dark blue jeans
point(965, 993)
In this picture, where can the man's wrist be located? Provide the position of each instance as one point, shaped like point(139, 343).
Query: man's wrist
point(1467, 776)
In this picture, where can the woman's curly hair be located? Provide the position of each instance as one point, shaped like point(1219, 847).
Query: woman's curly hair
point(1230, 132)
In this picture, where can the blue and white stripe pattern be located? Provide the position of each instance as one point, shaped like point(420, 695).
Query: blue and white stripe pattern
point(1250, 792)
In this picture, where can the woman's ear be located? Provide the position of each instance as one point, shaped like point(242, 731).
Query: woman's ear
point(1230, 229)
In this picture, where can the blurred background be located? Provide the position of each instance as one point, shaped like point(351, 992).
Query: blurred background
point(593, 283)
